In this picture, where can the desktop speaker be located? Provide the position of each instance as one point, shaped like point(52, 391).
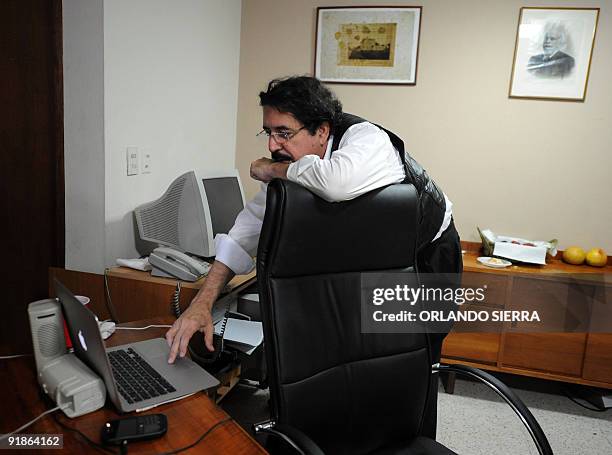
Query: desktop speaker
point(47, 326)
point(69, 382)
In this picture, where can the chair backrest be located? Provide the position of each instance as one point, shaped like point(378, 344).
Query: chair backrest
point(351, 392)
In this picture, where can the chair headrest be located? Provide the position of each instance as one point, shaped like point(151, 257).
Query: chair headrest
point(303, 234)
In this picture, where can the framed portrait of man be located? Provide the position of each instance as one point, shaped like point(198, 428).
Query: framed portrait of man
point(552, 55)
point(367, 45)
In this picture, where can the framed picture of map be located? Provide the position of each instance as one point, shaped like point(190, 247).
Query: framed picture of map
point(552, 55)
point(367, 45)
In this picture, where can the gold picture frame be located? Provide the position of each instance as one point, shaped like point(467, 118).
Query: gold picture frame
point(552, 53)
point(367, 44)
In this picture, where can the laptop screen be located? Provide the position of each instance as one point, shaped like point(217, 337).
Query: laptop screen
point(85, 336)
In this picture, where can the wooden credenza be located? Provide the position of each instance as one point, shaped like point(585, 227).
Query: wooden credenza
point(136, 295)
point(577, 357)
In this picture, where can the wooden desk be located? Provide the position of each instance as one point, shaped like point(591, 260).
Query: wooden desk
point(188, 419)
point(582, 358)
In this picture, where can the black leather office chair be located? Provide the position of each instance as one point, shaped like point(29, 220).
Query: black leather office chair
point(334, 389)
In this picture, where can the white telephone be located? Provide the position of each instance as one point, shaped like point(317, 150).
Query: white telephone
point(178, 264)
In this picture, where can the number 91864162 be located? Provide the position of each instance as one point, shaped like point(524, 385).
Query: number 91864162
point(32, 441)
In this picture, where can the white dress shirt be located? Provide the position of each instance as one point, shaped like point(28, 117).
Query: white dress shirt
point(365, 160)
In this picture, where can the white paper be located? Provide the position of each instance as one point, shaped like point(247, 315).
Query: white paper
point(137, 264)
point(245, 348)
point(529, 254)
point(249, 333)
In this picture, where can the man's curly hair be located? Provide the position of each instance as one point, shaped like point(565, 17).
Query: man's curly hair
point(306, 98)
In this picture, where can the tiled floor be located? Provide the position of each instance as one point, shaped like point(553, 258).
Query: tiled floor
point(475, 421)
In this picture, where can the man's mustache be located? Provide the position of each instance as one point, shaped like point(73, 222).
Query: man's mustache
point(280, 157)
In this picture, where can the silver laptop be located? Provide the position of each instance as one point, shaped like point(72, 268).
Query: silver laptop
point(137, 375)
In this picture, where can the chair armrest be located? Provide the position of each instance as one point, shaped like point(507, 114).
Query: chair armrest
point(301, 443)
point(517, 405)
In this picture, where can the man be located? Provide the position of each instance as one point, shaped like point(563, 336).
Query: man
point(335, 155)
point(553, 62)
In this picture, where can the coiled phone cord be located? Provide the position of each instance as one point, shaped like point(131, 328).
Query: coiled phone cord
point(176, 297)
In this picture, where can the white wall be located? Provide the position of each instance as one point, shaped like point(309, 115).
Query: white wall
point(535, 169)
point(170, 86)
point(530, 168)
point(84, 134)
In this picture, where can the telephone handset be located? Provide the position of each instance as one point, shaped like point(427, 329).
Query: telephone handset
point(198, 350)
point(178, 264)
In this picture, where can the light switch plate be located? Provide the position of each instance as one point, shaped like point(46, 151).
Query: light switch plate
point(133, 167)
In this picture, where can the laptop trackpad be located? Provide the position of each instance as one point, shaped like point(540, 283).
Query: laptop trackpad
point(183, 372)
point(153, 348)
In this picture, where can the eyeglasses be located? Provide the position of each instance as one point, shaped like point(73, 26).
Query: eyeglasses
point(280, 137)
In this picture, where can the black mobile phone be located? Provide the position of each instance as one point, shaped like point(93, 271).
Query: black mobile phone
point(134, 428)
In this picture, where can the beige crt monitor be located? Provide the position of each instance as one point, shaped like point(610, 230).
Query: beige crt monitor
point(194, 208)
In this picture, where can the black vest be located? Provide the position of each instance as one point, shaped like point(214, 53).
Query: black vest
point(433, 204)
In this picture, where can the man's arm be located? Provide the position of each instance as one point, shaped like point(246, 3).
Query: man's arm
point(234, 256)
point(264, 170)
point(365, 160)
point(198, 316)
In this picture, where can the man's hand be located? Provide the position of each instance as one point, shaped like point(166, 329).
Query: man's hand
point(264, 170)
point(196, 318)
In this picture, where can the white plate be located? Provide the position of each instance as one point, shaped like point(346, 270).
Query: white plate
point(494, 262)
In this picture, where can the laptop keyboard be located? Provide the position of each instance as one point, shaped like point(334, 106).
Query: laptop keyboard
point(135, 378)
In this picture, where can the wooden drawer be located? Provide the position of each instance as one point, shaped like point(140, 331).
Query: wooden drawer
point(478, 347)
point(559, 304)
point(495, 286)
point(598, 353)
point(560, 353)
point(476, 341)
point(563, 306)
point(482, 346)
point(598, 358)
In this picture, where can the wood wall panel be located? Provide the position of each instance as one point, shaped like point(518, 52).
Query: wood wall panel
point(31, 160)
